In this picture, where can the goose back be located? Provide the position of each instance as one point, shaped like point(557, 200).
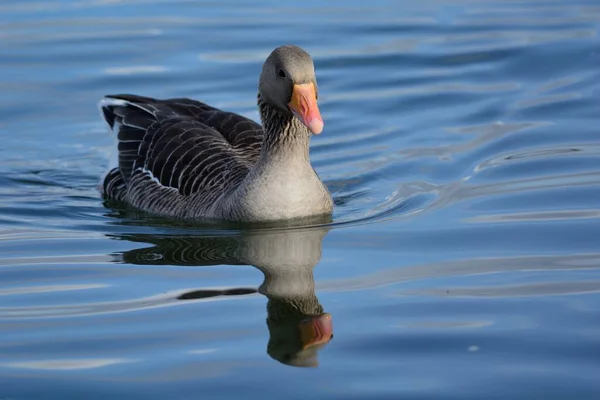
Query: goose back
point(175, 151)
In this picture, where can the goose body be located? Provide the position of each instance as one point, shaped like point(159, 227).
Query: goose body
point(183, 158)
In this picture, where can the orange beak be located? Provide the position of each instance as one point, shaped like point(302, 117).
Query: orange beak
point(316, 330)
point(304, 106)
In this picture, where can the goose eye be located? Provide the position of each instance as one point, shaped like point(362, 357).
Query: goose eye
point(281, 73)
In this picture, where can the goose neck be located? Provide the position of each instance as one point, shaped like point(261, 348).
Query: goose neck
point(285, 135)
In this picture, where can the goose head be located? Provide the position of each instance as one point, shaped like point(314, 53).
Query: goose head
point(288, 83)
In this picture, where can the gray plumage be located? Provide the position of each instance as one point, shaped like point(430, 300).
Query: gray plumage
point(185, 159)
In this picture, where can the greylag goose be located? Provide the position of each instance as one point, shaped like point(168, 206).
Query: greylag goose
point(185, 159)
point(298, 326)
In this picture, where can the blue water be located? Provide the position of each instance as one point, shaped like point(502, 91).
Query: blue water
point(461, 145)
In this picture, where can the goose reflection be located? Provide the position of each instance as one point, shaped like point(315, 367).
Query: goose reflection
point(298, 326)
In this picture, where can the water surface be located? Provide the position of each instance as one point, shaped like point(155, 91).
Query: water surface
point(461, 146)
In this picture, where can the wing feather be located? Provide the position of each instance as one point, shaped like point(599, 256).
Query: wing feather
point(179, 145)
